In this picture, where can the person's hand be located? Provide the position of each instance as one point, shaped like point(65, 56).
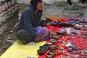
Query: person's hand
point(49, 23)
point(37, 39)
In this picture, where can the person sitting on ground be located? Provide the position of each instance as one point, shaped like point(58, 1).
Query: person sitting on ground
point(83, 3)
point(29, 29)
point(69, 3)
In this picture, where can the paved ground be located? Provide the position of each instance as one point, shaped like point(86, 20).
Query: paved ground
point(85, 14)
point(60, 10)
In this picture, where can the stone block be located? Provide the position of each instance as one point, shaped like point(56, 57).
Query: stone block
point(3, 28)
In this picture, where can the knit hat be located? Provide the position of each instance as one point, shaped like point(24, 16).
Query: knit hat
point(34, 3)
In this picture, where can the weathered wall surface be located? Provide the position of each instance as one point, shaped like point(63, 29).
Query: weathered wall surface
point(49, 1)
point(8, 16)
point(23, 1)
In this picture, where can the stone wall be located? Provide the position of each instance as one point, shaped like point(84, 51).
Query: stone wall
point(8, 18)
point(23, 1)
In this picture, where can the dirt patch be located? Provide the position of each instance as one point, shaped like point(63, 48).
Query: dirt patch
point(6, 40)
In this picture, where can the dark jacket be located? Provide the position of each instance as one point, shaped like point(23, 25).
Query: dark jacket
point(29, 20)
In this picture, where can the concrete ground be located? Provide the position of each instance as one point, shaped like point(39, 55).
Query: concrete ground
point(85, 13)
point(59, 9)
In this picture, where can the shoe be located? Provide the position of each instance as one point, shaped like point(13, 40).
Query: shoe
point(70, 5)
point(83, 6)
point(24, 41)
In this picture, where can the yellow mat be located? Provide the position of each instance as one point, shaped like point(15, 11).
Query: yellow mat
point(18, 50)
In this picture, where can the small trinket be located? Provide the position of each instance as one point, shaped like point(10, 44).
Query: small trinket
point(60, 51)
point(83, 56)
point(53, 41)
point(49, 56)
point(52, 47)
point(60, 41)
point(85, 51)
point(69, 44)
point(74, 33)
point(56, 37)
point(61, 32)
point(86, 25)
point(70, 48)
point(82, 52)
point(76, 56)
point(79, 51)
point(53, 53)
point(49, 43)
point(75, 51)
point(41, 52)
point(57, 47)
point(63, 46)
point(44, 47)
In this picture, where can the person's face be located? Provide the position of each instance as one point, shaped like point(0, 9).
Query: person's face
point(39, 5)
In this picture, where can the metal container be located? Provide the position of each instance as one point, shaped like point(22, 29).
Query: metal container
point(6, 5)
point(9, 3)
point(0, 8)
point(52, 47)
point(49, 56)
point(12, 2)
point(3, 6)
point(41, 52)
point(60, 51)
point(53, 41)
point(15, 2)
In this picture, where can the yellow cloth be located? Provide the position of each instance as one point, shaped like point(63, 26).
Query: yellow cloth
point(18, 50)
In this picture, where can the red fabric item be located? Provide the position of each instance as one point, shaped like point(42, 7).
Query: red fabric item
point(80, 43)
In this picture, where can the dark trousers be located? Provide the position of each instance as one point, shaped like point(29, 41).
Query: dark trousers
point(24, 36)
point(83, 1)
point(69, 2)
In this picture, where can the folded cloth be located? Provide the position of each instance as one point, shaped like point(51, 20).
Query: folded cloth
point(42, 32)
point(46, 33)
point(47, 37)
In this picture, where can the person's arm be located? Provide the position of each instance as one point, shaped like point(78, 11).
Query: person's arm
point(28, 24)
